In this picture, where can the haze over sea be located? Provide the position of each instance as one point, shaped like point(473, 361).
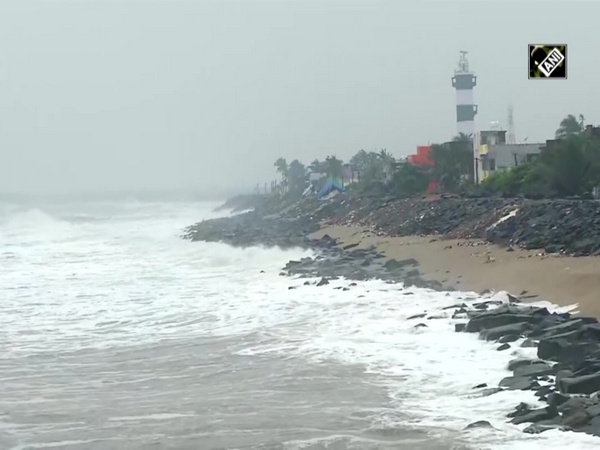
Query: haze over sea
point(116, 333)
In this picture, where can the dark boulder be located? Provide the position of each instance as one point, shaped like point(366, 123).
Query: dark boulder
point(536, 415)
point(533, 370)
point(509, 338)
point(518, 383)
point(514, 363)
point(479, 424)
point(460, 327)
point(416, 316)
point(489, 391)
point(586, 384)
point(521, 409)
point(504, 315)
point(323, 282)
point(555, 399)
point(493, 334)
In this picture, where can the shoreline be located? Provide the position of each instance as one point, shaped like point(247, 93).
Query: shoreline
point(475, 265)
point(565, 376)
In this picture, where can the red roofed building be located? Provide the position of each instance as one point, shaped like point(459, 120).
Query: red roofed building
point(423, 158)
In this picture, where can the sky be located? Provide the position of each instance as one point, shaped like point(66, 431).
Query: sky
point(204, 96)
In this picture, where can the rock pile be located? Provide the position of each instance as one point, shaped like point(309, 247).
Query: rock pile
point(334, 262)
point(557, 226)
point(253, 229)
point(566, 375)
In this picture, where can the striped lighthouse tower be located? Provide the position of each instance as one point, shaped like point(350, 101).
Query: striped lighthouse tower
point(464, 81)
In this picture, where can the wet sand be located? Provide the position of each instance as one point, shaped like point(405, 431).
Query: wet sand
point(474, 265)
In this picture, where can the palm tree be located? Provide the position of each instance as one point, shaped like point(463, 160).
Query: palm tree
point(463, 137)
point(282, 168)
point(569, 126)
point(387, 162)
point(297, 178)
point(360, 160)
point(316, 166)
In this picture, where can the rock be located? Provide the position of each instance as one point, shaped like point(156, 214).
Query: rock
point(393, 264)
point(509, 338)
point(565, 351)
point(538, 428)
point(536, 415)
point(416, 316)
point(586, 384)
point(593, 411)
point(420, 325)
point(460, 327)
point(576, 417)
point(533, 370)
point(520, 410)
point(503, 347)
point(493, 334)
point(528, 343)
point(561, 328)
point(518, 383)
point(556, 399)
point(504, 315)
point(514, 363)
point(455, 306)
point(479, 386)
point(489, 391)
point(479, 424)
point(323, 282)
point(543, 391)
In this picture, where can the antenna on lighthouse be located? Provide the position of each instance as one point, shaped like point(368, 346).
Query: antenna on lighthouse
point(511, 127)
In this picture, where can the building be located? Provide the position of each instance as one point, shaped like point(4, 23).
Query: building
point(463, 82)
point(493, 154)
point(423, 158)
point(592, 132)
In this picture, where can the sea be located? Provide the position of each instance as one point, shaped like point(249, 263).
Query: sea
point(115, 333)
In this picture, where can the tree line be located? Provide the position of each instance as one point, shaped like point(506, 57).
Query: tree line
point(569, 165)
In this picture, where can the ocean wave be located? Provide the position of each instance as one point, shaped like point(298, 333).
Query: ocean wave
point(121, 320)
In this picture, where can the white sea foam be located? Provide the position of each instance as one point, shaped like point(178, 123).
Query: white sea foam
point(122, 277)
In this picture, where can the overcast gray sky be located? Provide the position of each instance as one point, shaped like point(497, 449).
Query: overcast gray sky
point(111, 95)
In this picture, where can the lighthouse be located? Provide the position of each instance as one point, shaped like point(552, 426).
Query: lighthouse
point(464, 81)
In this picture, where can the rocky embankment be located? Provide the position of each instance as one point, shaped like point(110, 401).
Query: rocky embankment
point(553, 226)
point(566, 374)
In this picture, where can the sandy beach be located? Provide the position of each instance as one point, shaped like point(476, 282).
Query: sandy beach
point(475, 265)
